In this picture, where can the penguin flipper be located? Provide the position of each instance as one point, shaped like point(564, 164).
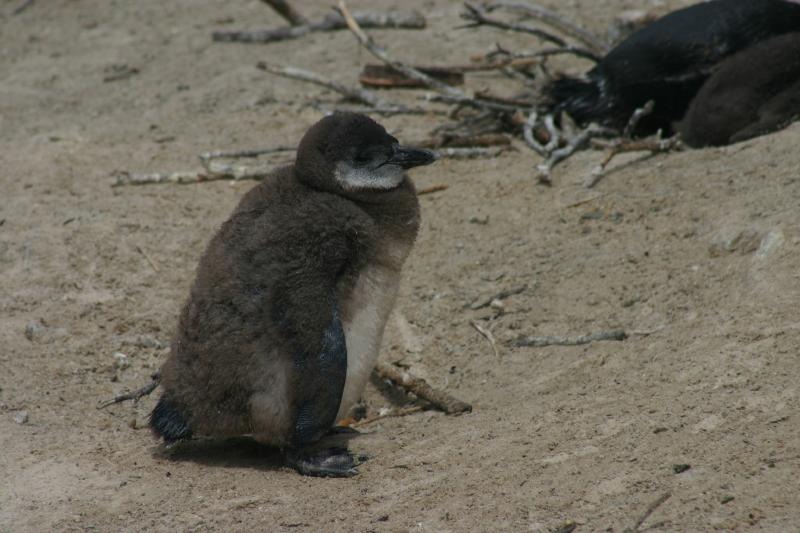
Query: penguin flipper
point(319, 372)
point(319, 377)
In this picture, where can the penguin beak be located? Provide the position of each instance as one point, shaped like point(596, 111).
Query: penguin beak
point(408, 157)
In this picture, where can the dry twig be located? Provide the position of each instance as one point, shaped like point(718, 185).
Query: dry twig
point(205, 157)
point(446, 92)
point(147, 257)
point(538, 342)
point(376, 50)
point(439, 399)
point(502, 295)
point(650, 509)
point(594, 43)
point(360, 95)
point(636, 117)
point(530, 139)
point(432, 189)
point(332, 22)
point(465, 141)
point(487, 335)
point(471, 153)
point(575, 144)
point(135, 395)
point(477, 16)
point(654, 145)
point(384, 77)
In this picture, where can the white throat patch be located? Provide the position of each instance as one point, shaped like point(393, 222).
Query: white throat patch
point(355, 178)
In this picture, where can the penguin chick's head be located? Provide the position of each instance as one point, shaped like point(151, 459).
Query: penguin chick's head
point(352, 152)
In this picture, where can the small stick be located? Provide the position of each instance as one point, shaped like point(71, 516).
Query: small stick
point(385, 77)
point(650, 509)
point(636, 117)
point(432, 189)
point(487, 335)
point(527, 133)
point(654, 145)
point(478, 17)
point(390, 414)
point(388, 111)
point(219, 170)
point(137, 394)
point(479, 103)
point(538, 342)
point(216, 172)
point(332, 22)
point(502, 295)
point(367, 42)
point(574, 144)
point(236, 154)
point(147, 257)
point(471, 153)
point(555, 137)
point(439, 399)
point(180, 177)
point(360, 95)
point(553, 19)
point(447, 92)
point(287, 11)
point(465, 141)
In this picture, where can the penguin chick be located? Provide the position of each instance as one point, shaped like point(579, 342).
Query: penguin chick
point(667, 62)
point(752, 93)
point(284, 320)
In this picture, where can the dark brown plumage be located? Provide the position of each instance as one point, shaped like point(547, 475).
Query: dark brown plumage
point(752, 93)
point(284, 318)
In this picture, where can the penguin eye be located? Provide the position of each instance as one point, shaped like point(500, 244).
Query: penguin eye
point(362, 158)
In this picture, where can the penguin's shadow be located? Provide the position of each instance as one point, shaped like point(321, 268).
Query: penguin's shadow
point(237, 452)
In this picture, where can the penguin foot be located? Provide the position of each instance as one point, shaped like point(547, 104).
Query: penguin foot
point(330, 462)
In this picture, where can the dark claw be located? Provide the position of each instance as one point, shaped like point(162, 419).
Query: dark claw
point(330, 462)
point(343, 430)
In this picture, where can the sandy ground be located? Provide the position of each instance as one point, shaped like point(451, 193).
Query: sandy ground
point(696, 252)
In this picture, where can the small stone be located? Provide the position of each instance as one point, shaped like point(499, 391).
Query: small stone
point(21, 417)
point(121, 361)
point(41, 332)
point(726, 499)
point(33, 330)
point(680, 468)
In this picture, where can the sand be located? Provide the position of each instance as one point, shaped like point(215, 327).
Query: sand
point(694, 253)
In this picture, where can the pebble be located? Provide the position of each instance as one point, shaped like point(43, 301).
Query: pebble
point(121, 361)
point(21, 417)
point(680, 468)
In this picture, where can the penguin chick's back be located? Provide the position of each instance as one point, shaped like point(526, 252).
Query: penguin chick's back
point(753, 92)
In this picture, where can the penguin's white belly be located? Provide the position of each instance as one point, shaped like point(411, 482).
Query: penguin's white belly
point(369, 306)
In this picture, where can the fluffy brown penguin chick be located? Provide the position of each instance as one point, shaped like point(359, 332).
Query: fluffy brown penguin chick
point(285, 317)
point(752, 93)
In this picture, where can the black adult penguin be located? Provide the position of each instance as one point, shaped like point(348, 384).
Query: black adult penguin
point(285, 317)
point(668, 60)
point(753, 92)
